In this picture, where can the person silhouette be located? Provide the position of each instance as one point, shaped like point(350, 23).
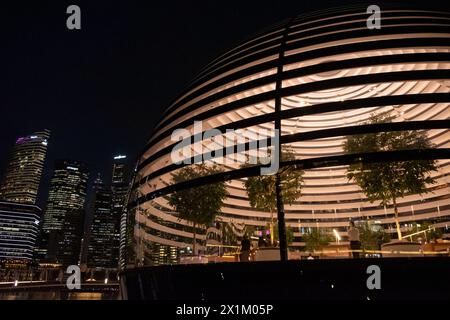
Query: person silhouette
point(353, 237)
point(245, 249)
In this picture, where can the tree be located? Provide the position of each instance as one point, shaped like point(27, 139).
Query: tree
point(371, 236)
point(430, 232)
point(434, 233)
point(249, 231)
point(201, 204)
point(388, 181)
point(261, 190)
point(289, 234)
point(229, 236)
point(316, 239)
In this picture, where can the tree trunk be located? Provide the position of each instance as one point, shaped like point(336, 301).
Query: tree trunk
point(194, 244)
point(397, 224)
point(223, 239)
point(272, 237)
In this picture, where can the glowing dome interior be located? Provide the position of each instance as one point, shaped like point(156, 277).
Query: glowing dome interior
point(328, 72)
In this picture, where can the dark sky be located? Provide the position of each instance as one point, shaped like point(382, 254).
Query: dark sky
point(101, 90)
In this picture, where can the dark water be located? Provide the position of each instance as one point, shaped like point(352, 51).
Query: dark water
point(48, 295)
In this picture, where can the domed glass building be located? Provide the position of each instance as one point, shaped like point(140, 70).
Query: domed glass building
point(320, 78)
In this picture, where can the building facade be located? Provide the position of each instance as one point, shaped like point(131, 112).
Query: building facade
point(24, 170)
point(63, 219)
point(109, 208)
point(120, 187)
point(101, 248)
point(19, 227)
point(317, 78)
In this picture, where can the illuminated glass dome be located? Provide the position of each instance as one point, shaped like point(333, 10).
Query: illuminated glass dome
point(328, 73)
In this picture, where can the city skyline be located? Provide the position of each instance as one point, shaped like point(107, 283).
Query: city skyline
point(70, 221)
point(79, 86)
point(64, 216)
point(205, 151)
point(47, 163)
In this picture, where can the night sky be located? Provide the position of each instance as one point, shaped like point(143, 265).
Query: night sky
point(101, 89)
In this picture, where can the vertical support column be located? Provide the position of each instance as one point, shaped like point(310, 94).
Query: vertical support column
point(279, 196)
point(281, 221)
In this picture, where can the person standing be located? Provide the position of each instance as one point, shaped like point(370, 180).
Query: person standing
point(261, 242)
point(353, 237)
point(245, 249)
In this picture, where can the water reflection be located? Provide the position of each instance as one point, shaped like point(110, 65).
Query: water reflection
point(47, 295)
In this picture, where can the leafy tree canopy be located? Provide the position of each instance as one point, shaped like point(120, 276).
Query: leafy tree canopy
point(289, 234)
point(262, 189)
point(316, 238)
point(386, 181)
point(430, 234)
point(372, 236)
point(201, 204)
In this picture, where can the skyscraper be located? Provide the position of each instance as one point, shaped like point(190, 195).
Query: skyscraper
point(105, 240)
point(63, 220)
point(119, 170)
point(120, 187)
point(101, 244)
point(23, 173)
point(19, 226)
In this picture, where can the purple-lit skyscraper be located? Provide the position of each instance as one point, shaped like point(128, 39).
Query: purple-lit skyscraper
point(23, 173)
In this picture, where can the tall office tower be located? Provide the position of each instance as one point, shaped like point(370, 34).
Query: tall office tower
point(63, 220)
point(101, 244)
point(119, 170)
point(19, 226)
point(23, 173)
point(126, 238)
point(120, 186)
